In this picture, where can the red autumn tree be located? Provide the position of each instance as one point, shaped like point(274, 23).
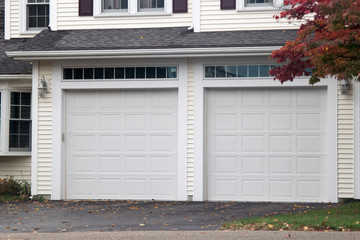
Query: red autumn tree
point(328, 41)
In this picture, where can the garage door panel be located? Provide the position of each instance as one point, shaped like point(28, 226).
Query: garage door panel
point(121, 150)
point(267, 144)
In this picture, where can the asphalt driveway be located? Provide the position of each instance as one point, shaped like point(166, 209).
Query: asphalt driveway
point(78, 216)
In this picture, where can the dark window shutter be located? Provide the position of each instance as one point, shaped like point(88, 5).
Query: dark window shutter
point(180, 6)
point(86, 7)
point(227, 4)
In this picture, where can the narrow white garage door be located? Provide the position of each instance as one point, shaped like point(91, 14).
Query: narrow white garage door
point(267, 145)
point(121, 144)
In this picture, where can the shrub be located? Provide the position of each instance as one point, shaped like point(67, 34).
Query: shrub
point(11, 187)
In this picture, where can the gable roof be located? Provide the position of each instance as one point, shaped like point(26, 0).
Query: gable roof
point(152, 38)
point(9, 65)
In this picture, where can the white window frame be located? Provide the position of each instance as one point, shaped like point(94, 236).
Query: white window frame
point(24, 30)
point(5, 123)
point(241, 6)
point(133, 9)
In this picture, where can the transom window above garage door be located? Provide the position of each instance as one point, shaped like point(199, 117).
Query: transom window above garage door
point(119, 73)
point(238, 71)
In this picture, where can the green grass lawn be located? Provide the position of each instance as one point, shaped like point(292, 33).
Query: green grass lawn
point(343, 218)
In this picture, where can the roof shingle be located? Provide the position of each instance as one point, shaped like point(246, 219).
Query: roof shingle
point(152, 38)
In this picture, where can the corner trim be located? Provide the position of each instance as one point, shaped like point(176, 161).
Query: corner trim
point(7, 20)
point(356, 87)
point(34, 126)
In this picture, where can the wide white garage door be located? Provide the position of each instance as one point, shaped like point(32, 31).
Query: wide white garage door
point(267, 145)
point(121, 144)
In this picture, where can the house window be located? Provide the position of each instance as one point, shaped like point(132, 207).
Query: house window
point(255, 3)
point(20, 121)
point(115, 5)
point(151, 5)
point(37, 12)
point(121, 73)
point(259, 4)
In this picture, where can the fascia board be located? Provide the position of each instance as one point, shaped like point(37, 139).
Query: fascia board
point(142, 53)
point(15, 76)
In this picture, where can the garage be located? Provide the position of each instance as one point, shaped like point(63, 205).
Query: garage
point(267, 144)
point(121, 144)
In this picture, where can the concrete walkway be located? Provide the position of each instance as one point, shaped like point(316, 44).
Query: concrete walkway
point(186, 235)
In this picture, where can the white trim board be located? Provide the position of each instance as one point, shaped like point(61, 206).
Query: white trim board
point(356, 87)
point(142, 53)
point(34, 127)
point(59, 92)
point(199, 138)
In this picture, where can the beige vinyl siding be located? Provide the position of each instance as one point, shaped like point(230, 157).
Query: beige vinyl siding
point(44, 136)
point(214, 19)
point(17, 167)
point(68, 19)
point(190, 129)
point(14, 19)
point(346, 145)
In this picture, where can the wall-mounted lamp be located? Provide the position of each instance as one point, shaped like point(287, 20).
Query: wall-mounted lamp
point(344, 86)
point(43, 87)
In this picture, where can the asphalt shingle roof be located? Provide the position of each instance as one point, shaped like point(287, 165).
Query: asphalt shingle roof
point(9, 65)
point(152, 38)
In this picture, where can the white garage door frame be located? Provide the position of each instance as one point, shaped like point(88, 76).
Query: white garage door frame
point(200, 87)
point(60, 87)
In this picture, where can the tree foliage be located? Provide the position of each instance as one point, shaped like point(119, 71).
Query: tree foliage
point(328, 40)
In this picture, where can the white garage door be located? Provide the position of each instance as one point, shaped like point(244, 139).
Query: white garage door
point(267, 145)
point(121, 144)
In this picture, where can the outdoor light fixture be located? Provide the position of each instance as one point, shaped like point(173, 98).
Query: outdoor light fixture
point(344, 86)
point(43, 87)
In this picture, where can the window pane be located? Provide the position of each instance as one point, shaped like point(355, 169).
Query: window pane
point(14, 127)
point(140, 72)
point(41, 10)
point(231, 71)
point(99, 73)
point(41, 22)
point(150, 72)
point(26, 99)
point(130, 72)
point(172, 72)
point(25, 112)
point(109, 73)
point(242, 71)
point(15, 98)
point(161, 72)
point(13, 141)
point(32, 10)
point(220, 71)
point(210, 72)
point(24, 141)
point(25, 127)
point(160, 3)
point(124, 4)
point(253, 71)
point(119, 73)
point(78, 73)
point(68, 73)
point(15, 112)
point(88, 73)
point(264, 70)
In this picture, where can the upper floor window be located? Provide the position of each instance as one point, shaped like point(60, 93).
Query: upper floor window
point(37, 14)
point(115, 5)
point(151, 5)
point(259, 4)
point(256, 3)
